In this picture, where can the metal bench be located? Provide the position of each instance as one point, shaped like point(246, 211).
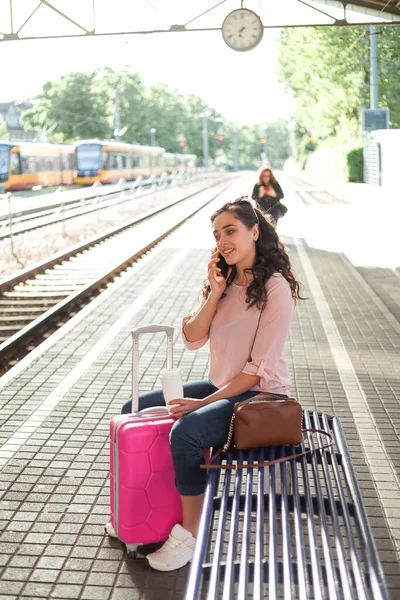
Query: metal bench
point(313, 542)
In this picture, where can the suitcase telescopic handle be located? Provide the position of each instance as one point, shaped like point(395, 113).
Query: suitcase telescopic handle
point(136, 333)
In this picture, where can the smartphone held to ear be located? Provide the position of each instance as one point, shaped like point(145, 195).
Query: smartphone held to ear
point(223, 267)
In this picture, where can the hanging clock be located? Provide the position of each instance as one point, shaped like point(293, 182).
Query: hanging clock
point(242, 30)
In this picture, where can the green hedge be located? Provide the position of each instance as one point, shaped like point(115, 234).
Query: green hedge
point(355, 165)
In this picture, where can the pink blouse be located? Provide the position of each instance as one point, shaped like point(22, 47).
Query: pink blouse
point(244, 341)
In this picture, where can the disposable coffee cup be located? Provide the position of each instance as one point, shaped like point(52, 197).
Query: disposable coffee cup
point(172, 384)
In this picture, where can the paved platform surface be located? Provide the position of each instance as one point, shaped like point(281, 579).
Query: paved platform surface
point(57, 404)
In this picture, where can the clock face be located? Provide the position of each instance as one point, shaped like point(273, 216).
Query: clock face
point(242, 30)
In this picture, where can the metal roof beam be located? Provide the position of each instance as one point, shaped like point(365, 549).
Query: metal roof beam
point(63, 15)
point(316, 9)
point(390, 12)
point(28, 19)
point(14, 34)
point(181, 29)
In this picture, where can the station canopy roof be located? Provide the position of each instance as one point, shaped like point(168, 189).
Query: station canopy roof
point(374, 8)
point(41, 19)
point(391, 7)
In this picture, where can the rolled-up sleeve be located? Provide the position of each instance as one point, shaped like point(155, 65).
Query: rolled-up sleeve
point(272, 331)
point(192, 345)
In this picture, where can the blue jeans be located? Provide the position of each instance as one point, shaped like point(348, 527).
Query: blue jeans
point(204, 428)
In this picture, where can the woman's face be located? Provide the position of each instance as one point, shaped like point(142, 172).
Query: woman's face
point(266, 177)
point(234, 241)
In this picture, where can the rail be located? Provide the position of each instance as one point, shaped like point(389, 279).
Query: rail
point(46, 209)
point(32, 300)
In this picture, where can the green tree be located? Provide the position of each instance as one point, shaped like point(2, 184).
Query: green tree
point(72, 103)
point(277, 147)
point(389, 71)
point(129, 87)
point(83, 106)
point(277, 143)
point(165, 110)
point(196, 109)
point(327, 71)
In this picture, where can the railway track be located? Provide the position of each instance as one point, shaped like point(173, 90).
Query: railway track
point(38, 299)
point(60, 206)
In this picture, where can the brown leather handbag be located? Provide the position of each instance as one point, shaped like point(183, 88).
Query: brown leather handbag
point(263, 421)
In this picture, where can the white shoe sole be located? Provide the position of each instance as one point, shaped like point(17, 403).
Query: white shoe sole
point(159, 566)
point(109, 529)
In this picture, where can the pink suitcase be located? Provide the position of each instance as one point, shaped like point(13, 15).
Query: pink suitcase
point(145, 503)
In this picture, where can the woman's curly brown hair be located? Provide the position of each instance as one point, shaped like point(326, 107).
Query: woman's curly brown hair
point(271, 256)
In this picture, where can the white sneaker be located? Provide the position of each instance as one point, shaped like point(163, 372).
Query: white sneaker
point(109, 529)
point(175, 553)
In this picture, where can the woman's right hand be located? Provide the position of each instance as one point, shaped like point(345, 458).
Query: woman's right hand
point(216, 279)
point(261, 191)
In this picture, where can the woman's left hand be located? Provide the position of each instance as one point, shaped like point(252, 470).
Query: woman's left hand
point(183, 406)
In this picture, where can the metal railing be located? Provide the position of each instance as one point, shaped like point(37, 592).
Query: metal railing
point(88, 276)
point(46, 209)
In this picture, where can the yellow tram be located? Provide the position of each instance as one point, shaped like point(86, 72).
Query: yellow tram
point(107, 162)
point(25, 165)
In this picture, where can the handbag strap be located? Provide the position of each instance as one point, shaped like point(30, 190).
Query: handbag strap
point(268, 463)
point(230, 434)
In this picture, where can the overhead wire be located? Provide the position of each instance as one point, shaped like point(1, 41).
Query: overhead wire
point(157, 12)
point(349, 49)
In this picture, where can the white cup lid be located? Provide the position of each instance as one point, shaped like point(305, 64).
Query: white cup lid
point(170, 372)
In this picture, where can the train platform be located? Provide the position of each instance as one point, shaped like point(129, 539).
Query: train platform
point(57, 402)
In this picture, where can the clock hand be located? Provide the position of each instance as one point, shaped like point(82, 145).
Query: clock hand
point(239, 32)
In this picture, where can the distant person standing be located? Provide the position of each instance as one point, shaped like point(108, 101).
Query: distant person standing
point(267, 193)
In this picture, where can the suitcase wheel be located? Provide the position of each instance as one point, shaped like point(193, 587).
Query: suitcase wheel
point(132, 551)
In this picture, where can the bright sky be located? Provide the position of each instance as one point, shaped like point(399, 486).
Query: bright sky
point(242, 86)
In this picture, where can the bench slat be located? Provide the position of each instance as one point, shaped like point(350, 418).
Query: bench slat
point(375, 572)
point(217, 557)
point(346, 572)
point(327, 542)
point(230, 571)
point(267, 534)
